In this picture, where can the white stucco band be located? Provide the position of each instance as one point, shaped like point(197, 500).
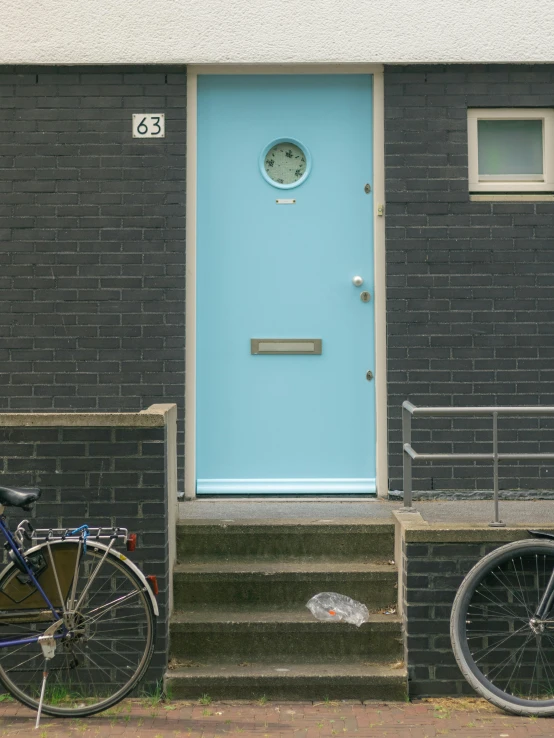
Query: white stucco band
point(275, 31)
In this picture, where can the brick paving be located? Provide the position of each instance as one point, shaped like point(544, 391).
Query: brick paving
point(464, 718)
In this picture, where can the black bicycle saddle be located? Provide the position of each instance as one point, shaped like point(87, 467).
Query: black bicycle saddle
point(541, 534)
point(19, 497)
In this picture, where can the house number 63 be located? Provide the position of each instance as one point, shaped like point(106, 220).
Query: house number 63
point(148, 125)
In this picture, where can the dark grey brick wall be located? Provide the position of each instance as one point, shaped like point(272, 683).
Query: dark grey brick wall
point(99, 476)
point(91, 239)
point(432, 574)
point(470, 301)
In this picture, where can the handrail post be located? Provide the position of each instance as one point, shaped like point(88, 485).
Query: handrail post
point(496, 523)
point(407, 459)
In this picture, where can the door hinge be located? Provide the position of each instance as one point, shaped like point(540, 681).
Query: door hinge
point(380, 209)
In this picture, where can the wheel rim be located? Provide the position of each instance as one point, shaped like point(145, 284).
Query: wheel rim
point(103, 655)
point(510, 654)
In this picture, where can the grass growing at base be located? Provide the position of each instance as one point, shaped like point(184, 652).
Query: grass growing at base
point(158, 695)
point(59, 695)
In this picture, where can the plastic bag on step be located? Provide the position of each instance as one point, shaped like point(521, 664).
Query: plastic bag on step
point(333, 606)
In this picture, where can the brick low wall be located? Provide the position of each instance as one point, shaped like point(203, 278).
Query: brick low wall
point(102, 469)
point(434, 559)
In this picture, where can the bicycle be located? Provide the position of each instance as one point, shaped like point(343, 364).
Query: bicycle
point(502, 626)
point(77, 618)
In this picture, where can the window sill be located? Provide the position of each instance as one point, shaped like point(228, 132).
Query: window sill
point(512, 197)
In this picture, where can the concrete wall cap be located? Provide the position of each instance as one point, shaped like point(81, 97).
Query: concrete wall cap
point(293, 525)
point(437, 533)
point(152, 417)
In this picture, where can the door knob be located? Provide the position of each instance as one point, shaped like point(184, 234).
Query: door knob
point(357, 281)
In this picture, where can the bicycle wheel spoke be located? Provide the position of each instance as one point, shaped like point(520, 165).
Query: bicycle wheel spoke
point(507, 638)
point(494, 598)
point(546, 667)
point(113, 666)
point(19, 666)
point(535, 669)
point(521, 652)
point(112, 650)
point(107, 673)
point(522, 589)
point(487, 612)
point(104, 609)
point(512, 592)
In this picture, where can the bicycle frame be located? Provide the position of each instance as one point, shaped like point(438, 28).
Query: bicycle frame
point(547, 600)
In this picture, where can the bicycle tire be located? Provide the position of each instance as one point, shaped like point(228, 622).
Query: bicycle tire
point(480, 615)
point(80, 696)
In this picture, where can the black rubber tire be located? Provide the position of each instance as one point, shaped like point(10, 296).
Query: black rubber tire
point(459, 616)
point(85, 710)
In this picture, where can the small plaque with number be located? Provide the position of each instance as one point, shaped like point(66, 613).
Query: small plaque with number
point(148, 125)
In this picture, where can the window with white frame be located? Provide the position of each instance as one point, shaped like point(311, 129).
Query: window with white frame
point(511, 150)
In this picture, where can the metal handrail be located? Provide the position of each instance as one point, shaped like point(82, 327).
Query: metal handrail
point(410, 454)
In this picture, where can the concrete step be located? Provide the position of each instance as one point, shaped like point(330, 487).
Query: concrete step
point(280, 585)
point(279, 636)
point(289, 681)
point(269, 539)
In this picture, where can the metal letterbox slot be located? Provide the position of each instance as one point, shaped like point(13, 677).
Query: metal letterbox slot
point(285, 346)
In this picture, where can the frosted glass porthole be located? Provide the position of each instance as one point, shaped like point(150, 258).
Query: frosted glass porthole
point(285, 163)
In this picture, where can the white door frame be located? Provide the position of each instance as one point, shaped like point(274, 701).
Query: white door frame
point(380, 369)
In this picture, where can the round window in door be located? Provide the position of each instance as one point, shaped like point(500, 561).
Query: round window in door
point(285, 163)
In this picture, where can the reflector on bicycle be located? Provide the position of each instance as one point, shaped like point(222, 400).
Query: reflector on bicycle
point(132, 542)
point(153, 582)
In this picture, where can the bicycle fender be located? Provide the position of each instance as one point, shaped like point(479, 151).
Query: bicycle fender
point(143, 579)
point(137, 571)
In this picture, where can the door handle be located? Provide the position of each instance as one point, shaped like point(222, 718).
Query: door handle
point(357, 281)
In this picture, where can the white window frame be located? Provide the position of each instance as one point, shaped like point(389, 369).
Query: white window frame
point(546, 184)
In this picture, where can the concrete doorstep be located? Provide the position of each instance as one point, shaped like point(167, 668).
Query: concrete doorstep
point(241, 630)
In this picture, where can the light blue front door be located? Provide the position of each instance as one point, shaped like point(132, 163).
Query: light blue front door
point(276, 260)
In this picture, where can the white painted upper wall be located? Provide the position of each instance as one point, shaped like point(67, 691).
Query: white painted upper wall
point(275, 31)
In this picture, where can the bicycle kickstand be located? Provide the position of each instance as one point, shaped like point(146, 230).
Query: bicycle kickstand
point(48, 645)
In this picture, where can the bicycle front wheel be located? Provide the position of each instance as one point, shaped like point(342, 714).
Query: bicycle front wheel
point(504, 653)
point(107, 640)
